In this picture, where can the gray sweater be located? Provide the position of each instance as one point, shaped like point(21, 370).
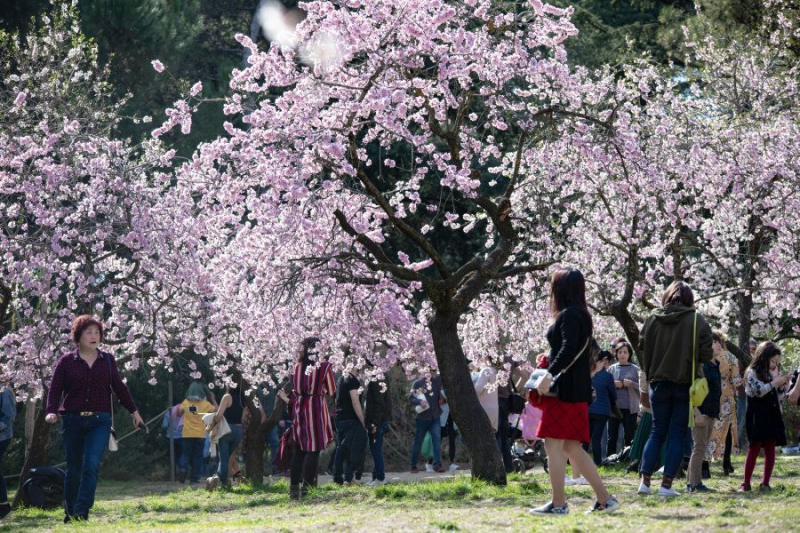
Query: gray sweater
point(627, 397)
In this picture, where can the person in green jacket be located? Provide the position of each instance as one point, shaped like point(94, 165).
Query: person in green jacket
point(668, 343)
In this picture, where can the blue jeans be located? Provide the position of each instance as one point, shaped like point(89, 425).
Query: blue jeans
point(376, 449)
point(670, 403)
point(225, 447)
point(3, 492)
point(741, 413)
point(85, 439)
point(192, 454)
point(422, 427)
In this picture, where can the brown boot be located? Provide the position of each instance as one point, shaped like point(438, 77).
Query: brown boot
point(294, 492)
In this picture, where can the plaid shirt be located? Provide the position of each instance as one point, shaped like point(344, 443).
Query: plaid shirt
point(84, 388)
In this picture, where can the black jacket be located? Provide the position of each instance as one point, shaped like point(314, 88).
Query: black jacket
point(379, 404)
point(567, 336)
point(711, 405)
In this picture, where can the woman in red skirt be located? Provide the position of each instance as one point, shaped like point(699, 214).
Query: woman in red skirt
point(565, 421)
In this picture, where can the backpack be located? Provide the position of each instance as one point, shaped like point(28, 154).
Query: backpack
point(44, 488)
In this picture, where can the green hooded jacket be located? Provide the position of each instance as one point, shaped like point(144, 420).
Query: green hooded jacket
point(666, 344)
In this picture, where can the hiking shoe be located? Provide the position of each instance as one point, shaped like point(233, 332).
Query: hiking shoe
point(663, 491)
point(764, 487)
point(610, 506)
point(644, 490)
point(744, 487)
point(550, 509)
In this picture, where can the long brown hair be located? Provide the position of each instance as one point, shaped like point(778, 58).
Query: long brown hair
point(760, 364)
point(568, 287)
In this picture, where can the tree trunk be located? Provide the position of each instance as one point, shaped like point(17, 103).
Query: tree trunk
point(467, 412)
point(745, 304)
point(626, 321)
point(254, 439)
point(254, 443)
point(36, 452)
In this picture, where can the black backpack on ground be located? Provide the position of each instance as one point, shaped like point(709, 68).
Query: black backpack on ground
point(44, 488)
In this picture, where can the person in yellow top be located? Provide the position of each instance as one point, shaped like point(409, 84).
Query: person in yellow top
point(194, 432)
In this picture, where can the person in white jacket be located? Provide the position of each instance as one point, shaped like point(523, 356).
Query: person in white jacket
point(486, 389)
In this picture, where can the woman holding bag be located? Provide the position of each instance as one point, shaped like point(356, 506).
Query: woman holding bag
point(81, 393)
point(674, 339)
point(565, 421)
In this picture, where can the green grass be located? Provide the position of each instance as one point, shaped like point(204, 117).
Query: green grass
point(448, 505)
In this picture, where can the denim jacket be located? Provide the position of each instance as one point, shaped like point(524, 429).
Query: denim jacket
point(8, 410)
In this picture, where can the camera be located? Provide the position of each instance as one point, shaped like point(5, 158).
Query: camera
point(192, 408)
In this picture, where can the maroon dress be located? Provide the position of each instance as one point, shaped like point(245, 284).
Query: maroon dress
point(311, 422)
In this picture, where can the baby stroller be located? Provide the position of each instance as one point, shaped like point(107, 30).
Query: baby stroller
point(526, 449)
point(525, 455)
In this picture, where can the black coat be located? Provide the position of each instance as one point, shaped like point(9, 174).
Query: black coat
point(766, 410)
point(567, 336)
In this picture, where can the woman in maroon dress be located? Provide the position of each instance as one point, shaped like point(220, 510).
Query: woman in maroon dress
point(311, 422)
point(565, 421)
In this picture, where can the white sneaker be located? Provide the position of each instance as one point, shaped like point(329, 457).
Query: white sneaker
point(453, 467)
point(428, 467)
point(644, 489)
point(569, 481)
point(668, 492)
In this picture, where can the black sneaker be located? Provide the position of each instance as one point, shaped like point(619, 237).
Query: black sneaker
point(182, 476)
point(550, 509)
point(697, 488)
point(4, 510)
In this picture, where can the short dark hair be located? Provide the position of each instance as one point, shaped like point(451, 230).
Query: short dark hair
point(678, 292)
point(82, 322)
point(717, 335)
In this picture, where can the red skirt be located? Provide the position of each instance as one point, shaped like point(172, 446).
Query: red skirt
point(563, 420)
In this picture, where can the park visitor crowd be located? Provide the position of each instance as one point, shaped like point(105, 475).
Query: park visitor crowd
point(690, 403)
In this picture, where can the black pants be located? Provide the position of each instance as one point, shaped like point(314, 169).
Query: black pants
point(728, 444)
point(596, 425)
point(304, 467)
point(450, 430)
point(502, 433)
point(628, 423)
